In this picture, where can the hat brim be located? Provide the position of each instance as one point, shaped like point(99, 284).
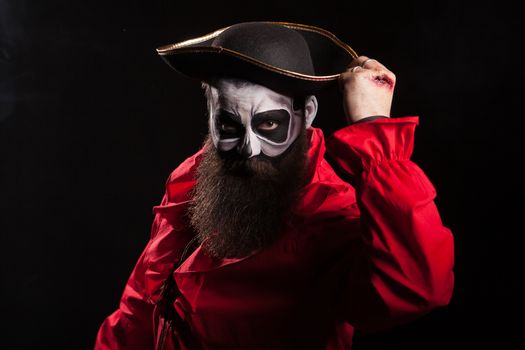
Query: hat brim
point(197, 58)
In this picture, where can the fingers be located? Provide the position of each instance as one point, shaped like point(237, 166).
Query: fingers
point(364, 62)
point(372, 68)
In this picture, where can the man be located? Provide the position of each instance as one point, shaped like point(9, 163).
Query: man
point(266, 246)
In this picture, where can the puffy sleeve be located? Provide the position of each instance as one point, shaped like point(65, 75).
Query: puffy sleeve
point(130, 327)
point(405, 267)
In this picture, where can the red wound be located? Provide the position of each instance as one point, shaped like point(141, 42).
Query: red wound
point(383, 80)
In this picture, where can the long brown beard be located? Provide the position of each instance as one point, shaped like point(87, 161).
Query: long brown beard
point(242, 205)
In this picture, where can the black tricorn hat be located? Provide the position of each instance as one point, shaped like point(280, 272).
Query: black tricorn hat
point(286, 57)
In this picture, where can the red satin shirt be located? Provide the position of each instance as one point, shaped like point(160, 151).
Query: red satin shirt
point(366, 258)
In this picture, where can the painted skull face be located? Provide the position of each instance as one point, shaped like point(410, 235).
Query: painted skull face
point(252, 118)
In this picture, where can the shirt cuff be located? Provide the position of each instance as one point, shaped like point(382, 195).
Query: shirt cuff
point(369, 119)
point(359, 146)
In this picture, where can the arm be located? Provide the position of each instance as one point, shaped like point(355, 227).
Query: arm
point(405, 267)
point(131, 325)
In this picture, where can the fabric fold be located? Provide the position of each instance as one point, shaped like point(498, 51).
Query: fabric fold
point(357, 147)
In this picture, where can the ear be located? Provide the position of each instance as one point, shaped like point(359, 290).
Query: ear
point(310, 110)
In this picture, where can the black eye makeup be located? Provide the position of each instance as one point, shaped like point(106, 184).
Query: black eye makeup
point(272, 125)
point(229, 125)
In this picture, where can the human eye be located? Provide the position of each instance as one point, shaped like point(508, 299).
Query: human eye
point(228, 124)
point(228, 128)
point(272, 124)
point(268, 125)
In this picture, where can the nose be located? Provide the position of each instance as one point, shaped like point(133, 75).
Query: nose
point(245, 150)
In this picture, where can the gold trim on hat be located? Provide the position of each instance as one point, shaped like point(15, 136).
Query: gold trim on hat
point(163, 49)
point(321, 31)
point(181, 47)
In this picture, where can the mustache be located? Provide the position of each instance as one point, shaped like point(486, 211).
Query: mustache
point(261, 166)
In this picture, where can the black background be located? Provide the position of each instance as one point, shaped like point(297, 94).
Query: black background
point(92, 122)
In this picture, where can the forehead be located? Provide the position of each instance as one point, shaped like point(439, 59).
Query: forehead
point(242, 95)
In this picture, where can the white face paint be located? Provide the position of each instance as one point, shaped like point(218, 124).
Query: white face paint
point(253, 119)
